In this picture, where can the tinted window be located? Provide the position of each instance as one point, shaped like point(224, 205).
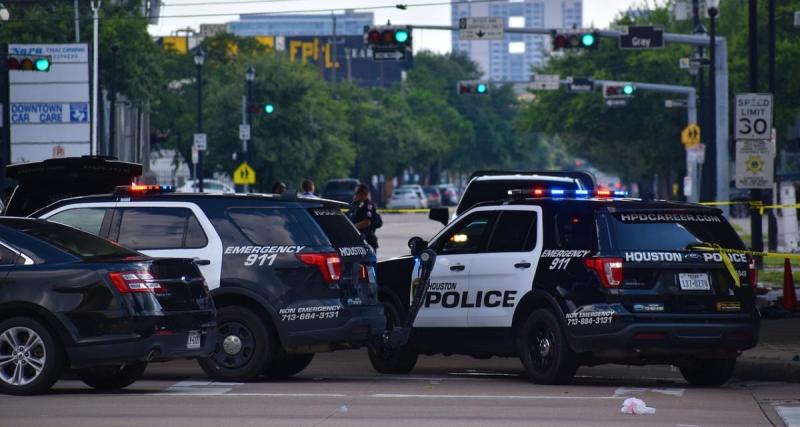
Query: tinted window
point(575, 229)
point(340, 231)
point(515, 232)
point(8, 257)
point(668, 232)
point(468, 235)
point(76, 242)
point(484, 191)
point(276, 226)
point(87, 219)
point(160, 228)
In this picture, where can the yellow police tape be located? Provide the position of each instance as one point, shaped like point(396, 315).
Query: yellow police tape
point(753, 204)
point(391, 211)
point(712, 247)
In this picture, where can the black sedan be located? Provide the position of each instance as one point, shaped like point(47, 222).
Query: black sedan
point(69, 299)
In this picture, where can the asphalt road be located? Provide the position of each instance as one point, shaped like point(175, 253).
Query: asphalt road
point(341, 389)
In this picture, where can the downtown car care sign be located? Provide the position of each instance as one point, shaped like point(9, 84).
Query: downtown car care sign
point(50, 110)
point(755, 149)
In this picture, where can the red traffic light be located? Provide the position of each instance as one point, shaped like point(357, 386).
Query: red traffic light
point(25, 63)
point(559, 42)
point(374, 37)
point(13, 63)
point(388, 36)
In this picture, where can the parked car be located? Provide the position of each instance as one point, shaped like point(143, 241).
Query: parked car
point(209, 186)
point(433, 196)
point(340, 189)
point(449, 194)
point(69, 299)
point(406, 198)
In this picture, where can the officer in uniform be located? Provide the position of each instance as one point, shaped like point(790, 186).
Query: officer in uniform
point(362, 212)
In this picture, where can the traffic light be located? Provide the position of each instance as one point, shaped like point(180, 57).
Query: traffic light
point(575, 39)
point(269, 108)
point(29, 63)
point(473, 87)
point(618, 90)
point(388, 37)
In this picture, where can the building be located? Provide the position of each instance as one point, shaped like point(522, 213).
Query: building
point(350, 23)
point(512, 58)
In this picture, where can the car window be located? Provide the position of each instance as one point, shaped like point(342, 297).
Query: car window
point(8, 257)
point(515, 232)
point(160, 228)
point(277, 226)
point(468, 235)
point(667, 231)
point(576, 229)
point(76, 242)
point(89, 220)
point(484, 191)
point(340, 230)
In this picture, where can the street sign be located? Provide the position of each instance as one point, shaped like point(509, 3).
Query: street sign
point(616, 102)
point(200, 141)
point(544, 82)
point(755, 164)
point(697, 153)
point(642, 37)
point(753, 116)
point(481, 28)
point(244, 132)
point(195, 154)
point(244, 175)
point(388, 55)
point(690, 135)
point(676, 103)
point(581, 84)
point(797, 19)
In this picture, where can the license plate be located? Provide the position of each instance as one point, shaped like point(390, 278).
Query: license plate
point(694, 281)
point(194, 340)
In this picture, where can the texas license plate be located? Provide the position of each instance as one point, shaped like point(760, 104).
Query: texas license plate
point(694, 281)
point(194, 340)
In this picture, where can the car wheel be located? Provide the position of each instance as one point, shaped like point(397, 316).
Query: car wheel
point(395, 361)
point(112, 377)
point(707, 372)
point(288, 365)
point(31, 359)
point(544, 350)
point(245, 345)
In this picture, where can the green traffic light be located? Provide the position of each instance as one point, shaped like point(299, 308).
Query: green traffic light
point(269, 108)
point(628, 89)
point(42, 64)
point(481, 88)
point(401, 36)
point(588, 40)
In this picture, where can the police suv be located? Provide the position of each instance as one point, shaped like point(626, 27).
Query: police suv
point(290, 276)
point(563, 278)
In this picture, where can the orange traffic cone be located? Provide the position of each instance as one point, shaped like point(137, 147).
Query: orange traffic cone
point(789, 297)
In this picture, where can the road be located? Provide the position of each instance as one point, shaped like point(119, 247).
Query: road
point(341, 389)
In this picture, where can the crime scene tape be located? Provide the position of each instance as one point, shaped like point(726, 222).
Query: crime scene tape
point(753, 204)
point(712, 247)
point(396, 211)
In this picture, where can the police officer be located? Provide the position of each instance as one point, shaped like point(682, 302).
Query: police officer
point(362, 213)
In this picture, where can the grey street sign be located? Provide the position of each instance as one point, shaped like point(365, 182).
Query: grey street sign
point(676, 103)
point(642, 37)
point(200, 141)
point(616, 102)
point(244, 132)
point(544, 82)
point(753, 116)
point(481, 28)
point(388, 55)
point(581, 84)
point(755, 161)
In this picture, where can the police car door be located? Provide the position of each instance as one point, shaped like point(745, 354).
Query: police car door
point(456, 247)
point(501, 276)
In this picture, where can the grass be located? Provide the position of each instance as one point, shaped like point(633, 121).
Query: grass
point(775, 277)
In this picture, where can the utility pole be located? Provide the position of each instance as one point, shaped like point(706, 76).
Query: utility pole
point(333, 47)
point(112, 129)
point(772, 221)
point(77, 22)
point(95, 71)
point(706, 185)
point(757, 235)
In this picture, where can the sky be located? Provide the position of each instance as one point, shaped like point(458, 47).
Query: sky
point(597, 13)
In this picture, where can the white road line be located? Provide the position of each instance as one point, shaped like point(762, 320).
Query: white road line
point(790, 415)
point(202, 387)
point(320, 395)
point(630, 391)
point(498, 397)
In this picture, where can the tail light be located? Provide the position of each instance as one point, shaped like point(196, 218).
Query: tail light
point(752, 273)
point(329, 264)
point(609, 270)
point(133, 282)
point(363, 273)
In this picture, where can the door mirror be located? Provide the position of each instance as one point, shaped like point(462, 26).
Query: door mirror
point(440, 215)
point(417, 245)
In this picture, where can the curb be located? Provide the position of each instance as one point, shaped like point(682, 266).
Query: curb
point(752, 368)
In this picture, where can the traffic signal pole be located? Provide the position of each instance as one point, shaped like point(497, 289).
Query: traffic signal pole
point(721, 107)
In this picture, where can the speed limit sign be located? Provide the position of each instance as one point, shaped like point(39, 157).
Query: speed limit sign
point(753, 116)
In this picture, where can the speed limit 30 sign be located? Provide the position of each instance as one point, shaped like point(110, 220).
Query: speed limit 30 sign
point(753, 116)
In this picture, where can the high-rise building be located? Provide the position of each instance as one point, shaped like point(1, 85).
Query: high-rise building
point(512, 58)
point(350, 23)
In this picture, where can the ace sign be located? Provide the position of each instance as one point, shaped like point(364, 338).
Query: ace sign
point(753, 116)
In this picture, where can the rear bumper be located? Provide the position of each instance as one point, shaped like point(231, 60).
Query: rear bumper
point(157, 339)
point(362, 324)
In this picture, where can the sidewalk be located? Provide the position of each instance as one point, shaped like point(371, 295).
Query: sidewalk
point(777, 356)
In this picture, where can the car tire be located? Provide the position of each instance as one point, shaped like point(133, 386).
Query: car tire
point(245, 345)
point(288, 365)
point(114, 377)
point(544, 350)
point(707, 372)
point(398, 361)
point(21, 377)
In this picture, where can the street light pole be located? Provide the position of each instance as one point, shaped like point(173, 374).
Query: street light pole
point(250, 75)
point(112, 130)
point(199, 59)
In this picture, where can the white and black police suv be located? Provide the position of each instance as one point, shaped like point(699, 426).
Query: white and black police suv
point(290, 276)
point(563, 278)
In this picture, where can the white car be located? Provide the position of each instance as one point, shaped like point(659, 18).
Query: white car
point(417, 188)
point(406, 198)
point(209, 185)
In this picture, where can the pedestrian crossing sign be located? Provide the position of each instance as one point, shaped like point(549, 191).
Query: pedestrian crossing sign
point(244, 175)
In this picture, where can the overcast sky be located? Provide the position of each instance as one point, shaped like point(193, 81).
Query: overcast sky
point(597, 13)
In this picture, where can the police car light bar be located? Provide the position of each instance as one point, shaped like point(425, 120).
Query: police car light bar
point(560, 193)
point(139, 189)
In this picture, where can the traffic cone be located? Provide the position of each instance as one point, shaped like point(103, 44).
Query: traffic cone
point(789, 297)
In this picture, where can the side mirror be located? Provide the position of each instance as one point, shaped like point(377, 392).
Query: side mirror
point(440, 215)
point(417, 245)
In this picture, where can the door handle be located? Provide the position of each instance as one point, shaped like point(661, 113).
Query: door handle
point(522, 265)
point(201, 261)
point(458, 267)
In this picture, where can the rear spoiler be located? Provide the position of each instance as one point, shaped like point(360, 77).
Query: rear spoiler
point(59, 169)
point(584, 177)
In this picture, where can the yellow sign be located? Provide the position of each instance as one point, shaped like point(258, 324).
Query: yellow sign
point(244, 175)
point(178, 44)
point(690, 136)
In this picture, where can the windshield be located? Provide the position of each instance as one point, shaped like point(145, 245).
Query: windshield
point(484, 191)
point(76, 242)
point(666, 231)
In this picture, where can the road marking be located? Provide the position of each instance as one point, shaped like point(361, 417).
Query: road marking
point(630, 391)
point(236, 394)
point(498, 397)
point(200, 387)
point(790, 415)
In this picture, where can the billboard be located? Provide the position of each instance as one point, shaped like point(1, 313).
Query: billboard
point(49, 111)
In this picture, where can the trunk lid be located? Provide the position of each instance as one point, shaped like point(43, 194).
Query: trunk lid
point(176, 284)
